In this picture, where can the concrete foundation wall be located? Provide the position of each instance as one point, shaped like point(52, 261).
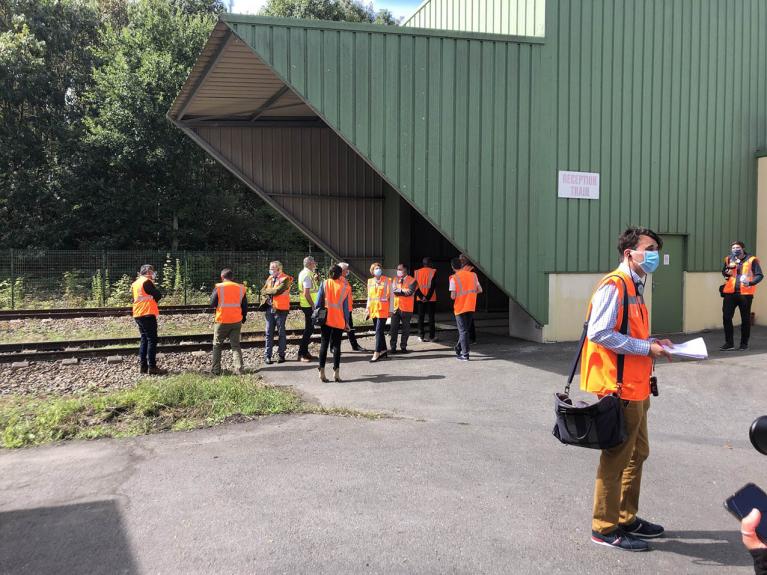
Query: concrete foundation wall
point(760, 299)
point(569, 296)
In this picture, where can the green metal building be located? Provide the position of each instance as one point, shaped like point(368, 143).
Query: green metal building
point(486, 126)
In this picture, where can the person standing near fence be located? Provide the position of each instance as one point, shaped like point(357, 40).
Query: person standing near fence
point(379, 306)
point(277, 292)
point(427, 298)
point(308, 286)
point(231, 303)
point(403, 288)
point(145, 297)
point(352, 336)
point(464, 288)
point(334, 296)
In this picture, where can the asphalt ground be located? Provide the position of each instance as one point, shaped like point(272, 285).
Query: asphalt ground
point(463, 477)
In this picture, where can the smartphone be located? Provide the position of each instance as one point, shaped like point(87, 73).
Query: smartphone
point(745, 499)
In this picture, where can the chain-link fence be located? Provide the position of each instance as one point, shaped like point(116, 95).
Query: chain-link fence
point(60, 279)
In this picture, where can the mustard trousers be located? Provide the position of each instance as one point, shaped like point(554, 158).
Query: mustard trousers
point(619, 475)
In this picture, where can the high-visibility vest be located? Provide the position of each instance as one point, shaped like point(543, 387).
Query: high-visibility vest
point(379, 292)
point(349, 295)
point(466, 288)
point(143, 303)
point(306, 272)
point(229, 308)
point(336, 292)
point(745, 270)
point(599, 365)
point(404, 303)
point(280, 302)
point(424, 277)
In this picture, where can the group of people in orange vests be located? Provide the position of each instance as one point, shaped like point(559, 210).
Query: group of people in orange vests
point(327, 304)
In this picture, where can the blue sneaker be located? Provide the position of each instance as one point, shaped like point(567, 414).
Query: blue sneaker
point(462, 357)
point(618, 539)
point(643, 528)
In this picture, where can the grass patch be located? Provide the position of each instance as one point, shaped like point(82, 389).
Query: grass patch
point(182, 402)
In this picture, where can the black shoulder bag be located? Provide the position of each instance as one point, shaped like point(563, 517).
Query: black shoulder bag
point(598, 425)
point(320, 313)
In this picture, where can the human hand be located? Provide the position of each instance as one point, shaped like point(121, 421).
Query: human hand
point(657, 350)
point(748, 530)
point(745, 283)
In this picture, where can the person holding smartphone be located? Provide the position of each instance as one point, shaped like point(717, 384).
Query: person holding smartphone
point(752, 542)
point(742, 273)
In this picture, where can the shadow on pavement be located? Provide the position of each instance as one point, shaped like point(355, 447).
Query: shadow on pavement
point(79, 538)
point(711, 548)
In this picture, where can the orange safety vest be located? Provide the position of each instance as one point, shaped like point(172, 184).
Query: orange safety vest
point(229, 308)
point(599, 365)
point(336, 292)
point(424, 277)
point(379, 292)
point(143, 303)
point(281, 302)
point(745, 270)
point(402, 302)
point(349, 295)
point(466, 289)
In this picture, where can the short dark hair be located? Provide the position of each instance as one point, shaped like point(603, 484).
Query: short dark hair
point(227, 274)
point(335, 272)
point(739, 243)
point(407, 268)
point(427, 261)
point(629, 239)
point(456, 263)
point(463, 259)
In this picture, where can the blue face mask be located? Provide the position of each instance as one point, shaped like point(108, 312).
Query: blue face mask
point(378, 272)
point(650, 262)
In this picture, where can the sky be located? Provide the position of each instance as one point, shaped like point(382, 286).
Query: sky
point(400, 8)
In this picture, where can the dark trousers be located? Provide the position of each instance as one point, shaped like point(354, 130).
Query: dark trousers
point(331, 337)
point(464, 322)
point(352, 336)
point(423, 307)
point(400, 320)
point(147, 351)
point(743, 303)
point(472, 331)
point(275, 319)
point(303, 347)
point(379, 323)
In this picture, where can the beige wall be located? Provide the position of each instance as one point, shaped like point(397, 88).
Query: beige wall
point(760, 299)
point(702, 302)
point(569, 295)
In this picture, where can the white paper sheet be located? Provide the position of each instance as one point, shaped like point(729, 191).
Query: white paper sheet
point(694, 349)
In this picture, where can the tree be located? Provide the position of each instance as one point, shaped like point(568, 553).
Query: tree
point(43, 72)
point(347, 10)
point(172, 193)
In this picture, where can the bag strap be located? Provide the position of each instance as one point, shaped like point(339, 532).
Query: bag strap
point(623, 330)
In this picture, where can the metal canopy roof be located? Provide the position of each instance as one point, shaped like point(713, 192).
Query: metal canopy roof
point(229, 82)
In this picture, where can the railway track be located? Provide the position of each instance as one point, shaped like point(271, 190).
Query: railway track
point(69, 313)
point(126, 346)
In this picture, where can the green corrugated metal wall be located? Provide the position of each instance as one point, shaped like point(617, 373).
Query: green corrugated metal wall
point(447, 120)
point(664, 98)
point(667, 99)
point(515, 17)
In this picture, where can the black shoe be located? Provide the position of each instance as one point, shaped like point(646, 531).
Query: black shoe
point(727, 347)
point(144, 369)
point(359, 348)
point(281, 360)
point(620, 540)
point(743, 347)
point(393, 351)
point(404, 350)
point(462, 357)
point(268, 361)
point(643, 528)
